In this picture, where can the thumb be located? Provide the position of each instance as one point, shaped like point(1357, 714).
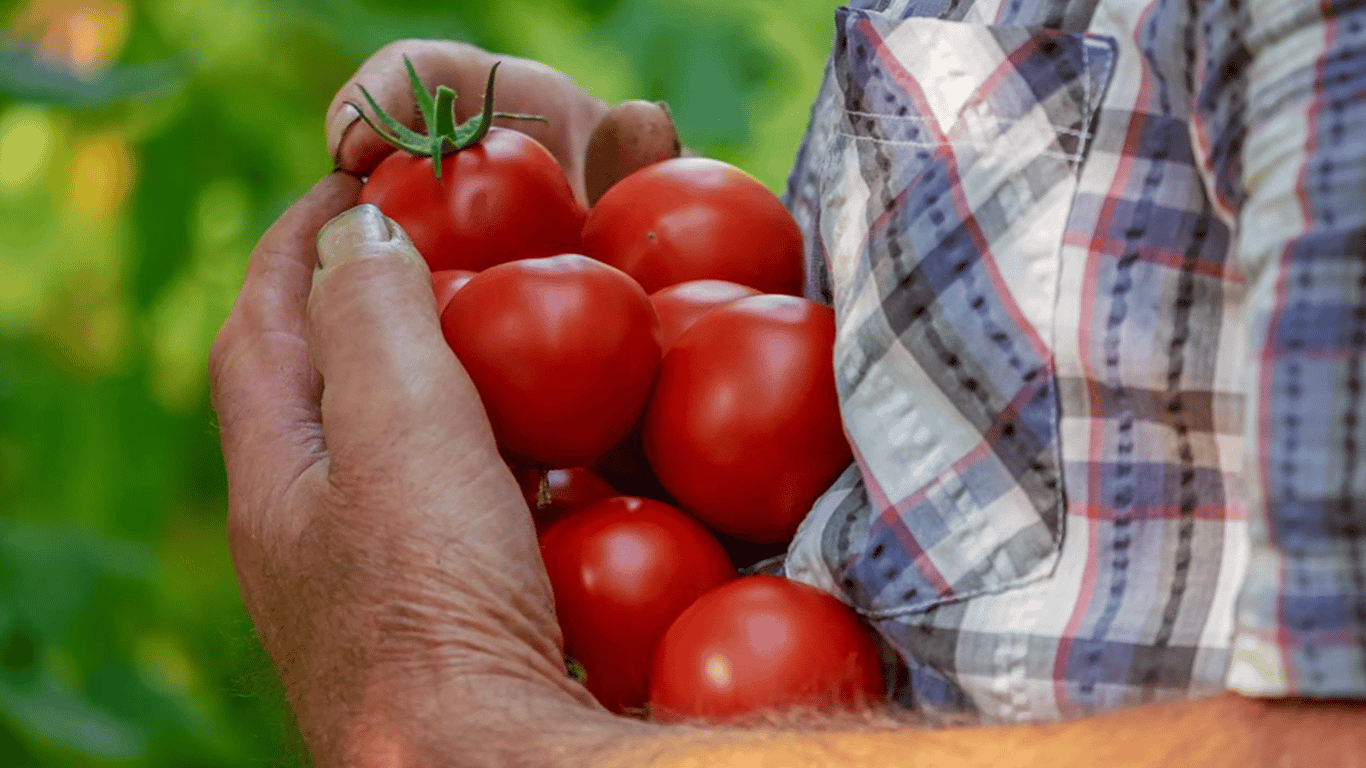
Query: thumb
point(630, 136)
point(375, 337)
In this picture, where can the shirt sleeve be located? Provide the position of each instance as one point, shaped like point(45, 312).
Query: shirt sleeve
point(1280, 122)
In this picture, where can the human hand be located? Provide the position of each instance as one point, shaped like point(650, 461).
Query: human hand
point(383, 548)
point(634, 133)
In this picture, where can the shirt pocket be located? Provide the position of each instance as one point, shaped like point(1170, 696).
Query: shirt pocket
point(944, 201)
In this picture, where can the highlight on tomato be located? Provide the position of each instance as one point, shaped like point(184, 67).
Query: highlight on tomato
point(446, 282)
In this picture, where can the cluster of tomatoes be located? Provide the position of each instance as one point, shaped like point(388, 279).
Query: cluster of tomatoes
point(667, 402)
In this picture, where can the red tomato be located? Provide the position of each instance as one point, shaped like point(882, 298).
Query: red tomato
point(623, 569)
point(502, 199)
point(563, 351)
point(446, 282)
point(764, 643)
point(565, 491)
point(679, 306)
point(744, 427)
point(692, 218)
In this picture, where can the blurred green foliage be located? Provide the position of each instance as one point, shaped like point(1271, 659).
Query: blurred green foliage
point(144, 146)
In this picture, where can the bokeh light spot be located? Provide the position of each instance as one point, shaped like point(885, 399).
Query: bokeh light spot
point(223, 212)
point(21, 296)
point(101, 174)
point(27, 136)
point(162, 663)
point(179, 347)
point(84, 35)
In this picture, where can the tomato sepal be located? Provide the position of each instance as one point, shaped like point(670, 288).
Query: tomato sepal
point(438, 112)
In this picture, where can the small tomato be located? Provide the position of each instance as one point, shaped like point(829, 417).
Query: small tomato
point(744, 427)
point(622, 570)
point(563, 351)
point(692, 218)
point(760, 644)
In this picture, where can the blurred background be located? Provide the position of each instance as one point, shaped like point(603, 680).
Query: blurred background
point(144, 147)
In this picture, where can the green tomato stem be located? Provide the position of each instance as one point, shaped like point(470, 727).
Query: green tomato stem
point(438, 114)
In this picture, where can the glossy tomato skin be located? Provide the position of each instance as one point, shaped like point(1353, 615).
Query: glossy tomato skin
point(566, 491)
point(446, 282)
point(764, 643)
point(693, 218)
point(563, 351)
point(622, 570)
point(744, 427)
point(502, 199)
point(681, 305)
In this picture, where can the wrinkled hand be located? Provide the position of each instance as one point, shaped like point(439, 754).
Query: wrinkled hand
point(382, 546)
point(523, 87)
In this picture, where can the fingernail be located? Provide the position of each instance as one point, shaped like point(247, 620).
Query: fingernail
point(338, 127)
point(347, 234)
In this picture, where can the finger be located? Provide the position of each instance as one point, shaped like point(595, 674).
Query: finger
point(409, 446)
point(263, 385)
point(393, 393)
point(631, 135)
point(522, 87)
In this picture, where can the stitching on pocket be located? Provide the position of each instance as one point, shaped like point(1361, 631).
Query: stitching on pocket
point(1074, 157)
point(1082, 134)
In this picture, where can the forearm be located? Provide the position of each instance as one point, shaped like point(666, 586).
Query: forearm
point(1227, 731)
point(474, 721)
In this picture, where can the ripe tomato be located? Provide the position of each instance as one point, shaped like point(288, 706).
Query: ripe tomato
point(692, 218)
point(764, 643)
point(563, 351)
point(565, 491)
point(744, 427)
point(681, 305)
point(502, 199)
point(622, 570)
point(446, 282)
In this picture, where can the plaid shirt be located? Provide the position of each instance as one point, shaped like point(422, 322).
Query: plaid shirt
point(1099, 268)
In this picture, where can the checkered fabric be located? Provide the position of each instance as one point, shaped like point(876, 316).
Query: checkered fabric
point(1099, 269)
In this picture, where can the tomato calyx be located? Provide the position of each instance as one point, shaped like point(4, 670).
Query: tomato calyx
point(543, 490)
point(575, 671)
point(438, 114)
